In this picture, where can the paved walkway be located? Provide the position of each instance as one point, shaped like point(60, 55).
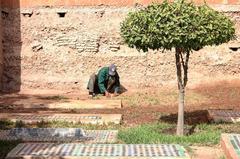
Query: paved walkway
point(59, 135)
point(231, 145)
point(75, 118)
point(224, 116)
point(98, 151)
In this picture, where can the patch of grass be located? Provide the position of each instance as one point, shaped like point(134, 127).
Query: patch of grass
point(152, 134)
point(7, 146)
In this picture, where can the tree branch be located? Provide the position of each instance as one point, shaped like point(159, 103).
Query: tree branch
point(183, 63)
point(179, 68)
point(185, 68)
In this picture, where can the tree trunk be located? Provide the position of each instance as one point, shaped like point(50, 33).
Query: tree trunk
point(182, 78)
point(180, 124)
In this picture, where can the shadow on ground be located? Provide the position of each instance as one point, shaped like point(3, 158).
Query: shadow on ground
point(191, 118)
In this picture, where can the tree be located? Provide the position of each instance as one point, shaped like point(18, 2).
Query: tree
point(181, 26)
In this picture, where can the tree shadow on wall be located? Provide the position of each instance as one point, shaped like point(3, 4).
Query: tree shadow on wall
point(11, 45)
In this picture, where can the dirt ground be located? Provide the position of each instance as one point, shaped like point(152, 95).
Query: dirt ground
point(147, 106)
point(199, 152)
point(143, 106)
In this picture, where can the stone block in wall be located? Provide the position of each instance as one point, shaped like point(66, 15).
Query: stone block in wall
point(82, 42)
point(114, 48)
point(27, 12)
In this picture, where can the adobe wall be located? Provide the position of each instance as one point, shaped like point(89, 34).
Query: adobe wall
point(45, 51)
point(1, 51)
point(67, 3)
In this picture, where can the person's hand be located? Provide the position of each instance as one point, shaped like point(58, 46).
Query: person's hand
point(107, 94)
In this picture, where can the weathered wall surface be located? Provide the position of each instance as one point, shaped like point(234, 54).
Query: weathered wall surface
point(1, 52)
point(43, 50)
point(11, 47)
point(40, 3)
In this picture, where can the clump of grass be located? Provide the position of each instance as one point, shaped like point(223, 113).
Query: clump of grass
point(152, 134)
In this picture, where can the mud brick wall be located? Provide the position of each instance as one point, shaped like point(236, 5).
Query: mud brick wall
point(52, 47)
point(1, 51)
point(35, 3)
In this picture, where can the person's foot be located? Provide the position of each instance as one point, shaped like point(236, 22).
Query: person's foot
point(116, 94)
point(91, 95)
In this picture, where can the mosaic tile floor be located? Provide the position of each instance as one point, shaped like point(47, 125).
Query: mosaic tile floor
point(231, 145)
point(59, 135)
point(224, 115)
point(235, 140)
point(50, 150)
point(76, 118)
point(101, 136)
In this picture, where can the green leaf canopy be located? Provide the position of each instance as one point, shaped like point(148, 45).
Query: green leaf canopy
point(176, 25)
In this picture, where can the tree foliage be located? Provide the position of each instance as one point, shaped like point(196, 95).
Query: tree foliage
point(176, 25)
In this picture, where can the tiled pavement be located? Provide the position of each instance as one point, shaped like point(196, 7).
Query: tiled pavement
point(59, 135)
point(231, 145)
point(224, 115)
point(101, 136)
point(76, 118)
point(98, 151)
